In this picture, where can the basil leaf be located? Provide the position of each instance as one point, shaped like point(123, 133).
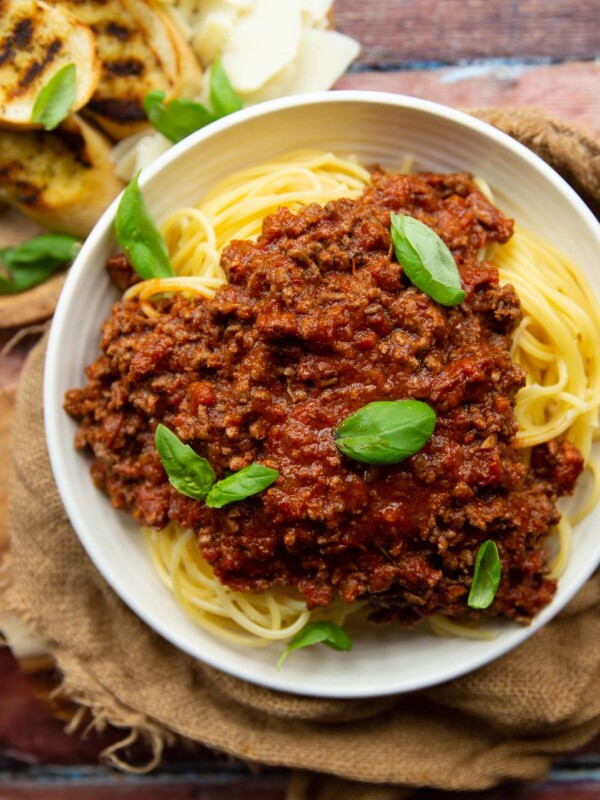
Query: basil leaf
point(177, 119)
point(180, 117)
point(20, 280)
point(57, 246)
point(194, 477)
point(242, 484)
point(385, 432)
point(486, 577)
point(54, 101)
point(426, 260)
point(139, 237)
point(188, 472)
point(314, 633)
point(223, 97)
point(34, 261)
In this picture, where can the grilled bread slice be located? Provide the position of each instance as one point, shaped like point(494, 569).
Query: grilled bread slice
point(141, 50)
point(63, 180)
point(36, 40)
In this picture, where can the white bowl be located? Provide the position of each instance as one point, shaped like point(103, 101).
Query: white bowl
point(377, 128)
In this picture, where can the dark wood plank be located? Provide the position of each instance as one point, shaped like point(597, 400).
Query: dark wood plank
point(99, 784)
point(550, 790)
point(399, 33)
point(569, 91)
point(29, 734)
point(591, 750)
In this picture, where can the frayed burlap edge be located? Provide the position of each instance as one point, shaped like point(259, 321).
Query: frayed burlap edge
point(95, 711)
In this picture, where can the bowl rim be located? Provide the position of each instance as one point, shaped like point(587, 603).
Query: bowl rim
point(52, 395)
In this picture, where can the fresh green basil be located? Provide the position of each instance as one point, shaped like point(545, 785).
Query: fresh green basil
point(188, 472)
point(248, 481)
point(194, 477)
point(18, 279)
point(314, 633)
point(180, 117)
point(34, 261)
point(486, 577)
point(54, 101)
point(385, 432)
point(139, 237)
point(177, 119)
point(223, 96)
point(57, 246)
point(426, 260)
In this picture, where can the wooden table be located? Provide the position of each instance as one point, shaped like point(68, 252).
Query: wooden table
point(466, 53)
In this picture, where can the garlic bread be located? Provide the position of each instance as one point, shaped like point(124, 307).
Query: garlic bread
point(141, 50)
point(36, 41)
point(63, 180)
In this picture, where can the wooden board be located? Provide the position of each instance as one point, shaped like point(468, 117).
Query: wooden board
point(570, 91)
point(408, 32)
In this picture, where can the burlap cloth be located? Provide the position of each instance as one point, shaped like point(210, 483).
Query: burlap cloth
point(504, 722)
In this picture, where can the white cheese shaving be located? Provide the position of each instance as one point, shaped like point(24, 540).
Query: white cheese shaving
point(195, 13)
point(259, 42)
point(264, 40)
point(323, 56)
point(212, 35)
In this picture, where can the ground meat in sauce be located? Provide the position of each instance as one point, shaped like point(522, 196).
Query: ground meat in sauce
point(317, 321)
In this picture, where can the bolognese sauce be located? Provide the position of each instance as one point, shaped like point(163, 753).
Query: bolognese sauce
point(318, 320)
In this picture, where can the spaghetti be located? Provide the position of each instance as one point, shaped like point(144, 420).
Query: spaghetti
point(253, 619)
point(557, 343)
